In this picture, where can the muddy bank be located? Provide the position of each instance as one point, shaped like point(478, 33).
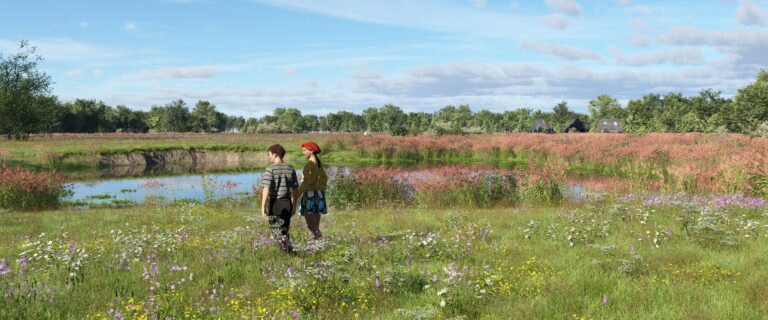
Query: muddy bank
point(181, 161)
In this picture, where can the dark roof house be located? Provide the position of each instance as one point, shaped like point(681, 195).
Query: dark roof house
point(542, 126)
point(609, 126)
point(575, 126)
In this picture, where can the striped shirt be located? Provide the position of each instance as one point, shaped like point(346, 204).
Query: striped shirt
point(280, 178)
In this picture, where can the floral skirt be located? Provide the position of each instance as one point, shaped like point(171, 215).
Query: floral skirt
point(313, 202)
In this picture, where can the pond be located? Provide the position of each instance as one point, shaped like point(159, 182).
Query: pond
point(200, 187)
point(139, 189)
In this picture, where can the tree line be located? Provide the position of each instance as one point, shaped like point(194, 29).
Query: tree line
point(27, 106)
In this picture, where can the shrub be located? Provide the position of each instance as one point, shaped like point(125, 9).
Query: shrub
point(465, 187)
point(368, 187)
point(543, 192)
point(25, 190)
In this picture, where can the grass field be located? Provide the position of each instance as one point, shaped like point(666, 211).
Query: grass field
point(691, 249)
point(600, 259)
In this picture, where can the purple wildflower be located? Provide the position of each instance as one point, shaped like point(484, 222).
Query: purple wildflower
point(605, 299)
point(4, 268)
point(378, 283)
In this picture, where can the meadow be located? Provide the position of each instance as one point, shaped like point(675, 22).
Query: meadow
point(485, 227)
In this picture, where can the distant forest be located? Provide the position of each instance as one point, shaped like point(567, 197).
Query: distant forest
point(26, 106)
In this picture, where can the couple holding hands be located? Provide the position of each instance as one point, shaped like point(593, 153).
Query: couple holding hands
point(282, 193)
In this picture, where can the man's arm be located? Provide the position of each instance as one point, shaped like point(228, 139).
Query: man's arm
point(264, 196)
point(266, 181)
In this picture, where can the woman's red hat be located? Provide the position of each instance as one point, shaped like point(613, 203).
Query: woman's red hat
point(311, 146)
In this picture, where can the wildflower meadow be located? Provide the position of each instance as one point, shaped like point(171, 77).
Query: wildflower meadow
point(535, 226)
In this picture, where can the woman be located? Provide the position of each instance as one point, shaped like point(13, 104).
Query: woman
point(312, 189)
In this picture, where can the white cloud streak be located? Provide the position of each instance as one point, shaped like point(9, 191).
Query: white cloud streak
point(750, 13)
point(569, 7)
point(680, 56)
point(176, 73)
point(561, 51)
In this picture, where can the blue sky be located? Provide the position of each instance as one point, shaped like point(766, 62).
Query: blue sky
point(251, 56)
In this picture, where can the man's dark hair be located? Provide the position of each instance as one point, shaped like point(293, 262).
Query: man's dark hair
point(278, 150)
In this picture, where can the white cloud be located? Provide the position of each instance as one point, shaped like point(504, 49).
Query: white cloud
point(480, 3)
point(681, 56)
point(97, 73)
point(749, 13)
point(73, 73)
point(690, 35)
point(83, 24)
point(555, 21)
point(564, 6)
point(129, 26)
point(639, 41)
point(289, 70)
point(561, 51)
point(623, 2)
point(176, 73)
point(568, 82)
point(365, 73)
point(66, 50)
point(743, 50)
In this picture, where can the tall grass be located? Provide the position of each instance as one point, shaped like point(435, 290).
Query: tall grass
point(27, 190)
point(440, 187)
point(670, 162)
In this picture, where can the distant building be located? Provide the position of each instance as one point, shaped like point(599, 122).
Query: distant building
point(609, 126)
point(542, 126)
point(575, 126)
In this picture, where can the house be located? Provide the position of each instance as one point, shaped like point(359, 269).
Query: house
point(609, 126)
point(542, 126)
point(575, 126)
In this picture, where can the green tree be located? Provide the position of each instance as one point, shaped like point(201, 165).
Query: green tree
point(487, 121)
point(393, 120)
point(26, 105)
point(173, 117)
point(88, 116)
point(289, 120)
point(130, 121)
point(561, 116)
point(604, 107)
point(205, 118)
point(373, 121)
point(750, 106)
point(419, 122)
point(452, 120)
point(641, 114)
point(310, 122)
point(519, 120)
point(235, 123)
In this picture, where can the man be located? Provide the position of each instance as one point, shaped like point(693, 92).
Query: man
point(279, 183)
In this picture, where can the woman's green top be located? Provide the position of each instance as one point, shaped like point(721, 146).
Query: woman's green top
point(314, 178)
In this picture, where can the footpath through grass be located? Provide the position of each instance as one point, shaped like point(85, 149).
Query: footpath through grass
point(605, 259)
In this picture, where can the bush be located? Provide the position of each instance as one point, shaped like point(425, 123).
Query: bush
point(466, 188)
point(543, 192)
point(26, 190)
point(368, 187)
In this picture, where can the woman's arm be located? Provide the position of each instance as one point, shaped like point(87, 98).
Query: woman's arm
point(309, 176)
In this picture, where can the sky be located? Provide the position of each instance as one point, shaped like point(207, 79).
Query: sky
point(249, 57)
